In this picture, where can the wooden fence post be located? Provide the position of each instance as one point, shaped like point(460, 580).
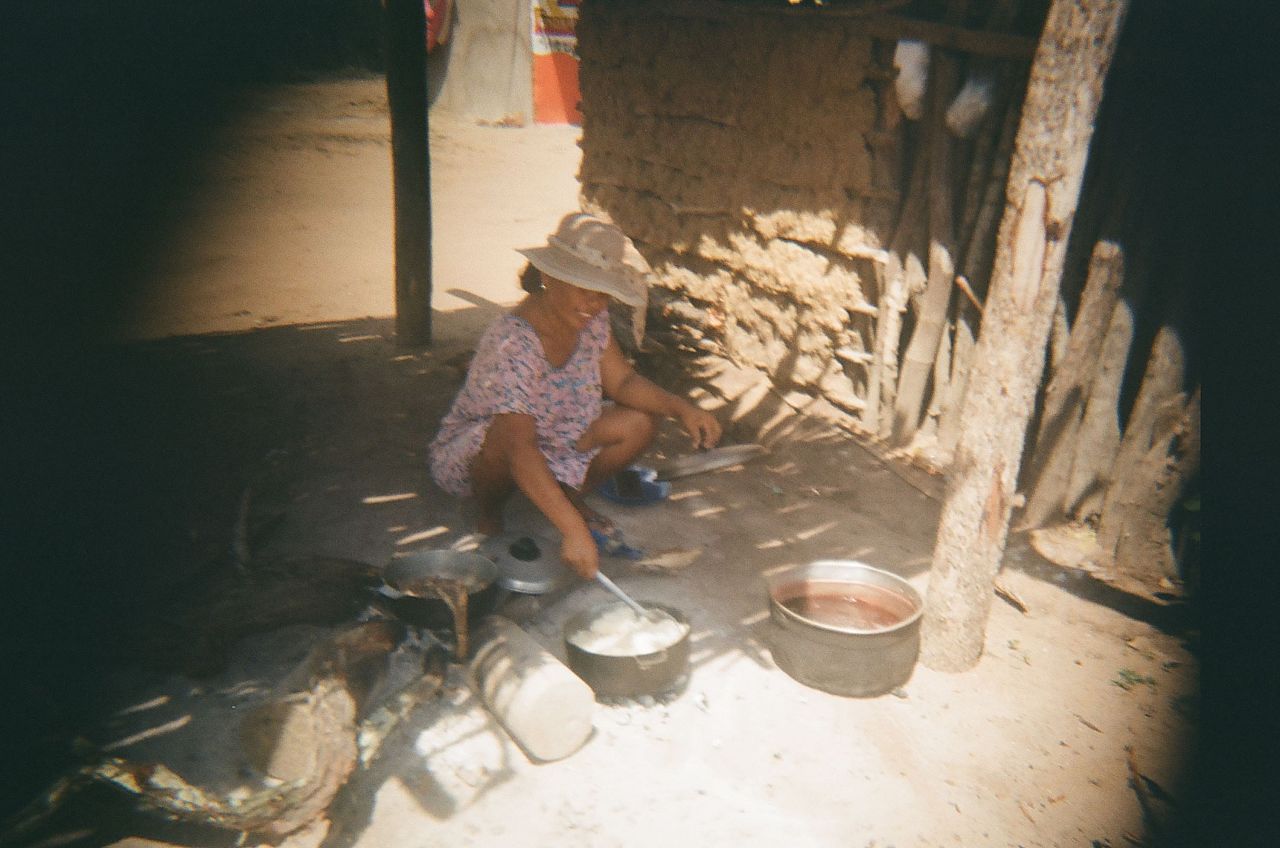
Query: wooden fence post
point(1045, 176)
point(405, 41)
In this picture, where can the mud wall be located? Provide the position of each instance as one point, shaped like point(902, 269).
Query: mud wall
point(755, 162)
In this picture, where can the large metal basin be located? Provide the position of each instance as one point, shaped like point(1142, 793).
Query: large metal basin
point(845, 627)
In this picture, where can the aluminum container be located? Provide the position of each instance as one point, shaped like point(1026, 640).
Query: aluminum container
point(844, 627)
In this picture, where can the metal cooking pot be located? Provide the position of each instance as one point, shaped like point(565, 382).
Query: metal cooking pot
point(412, 599)
point(612, 676)
point(822, 639)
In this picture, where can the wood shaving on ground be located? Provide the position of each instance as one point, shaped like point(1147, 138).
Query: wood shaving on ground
point(1008, 595)
point(1088, 723)
point(668, 560)
point(1067, 545)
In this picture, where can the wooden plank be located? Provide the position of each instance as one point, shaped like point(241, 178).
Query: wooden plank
point(871, 18)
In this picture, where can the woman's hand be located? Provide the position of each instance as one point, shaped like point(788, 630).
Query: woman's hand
point(701, 425)
point(578, 551)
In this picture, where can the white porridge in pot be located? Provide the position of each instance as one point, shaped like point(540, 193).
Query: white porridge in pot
point(617, 631)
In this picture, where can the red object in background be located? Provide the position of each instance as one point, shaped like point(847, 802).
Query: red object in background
point(438, 19)
point(555, 89)
point(555, 62)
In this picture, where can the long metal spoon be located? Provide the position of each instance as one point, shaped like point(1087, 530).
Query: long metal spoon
point(623, 596)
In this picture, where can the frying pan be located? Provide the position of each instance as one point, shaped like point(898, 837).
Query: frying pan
point(406, 591)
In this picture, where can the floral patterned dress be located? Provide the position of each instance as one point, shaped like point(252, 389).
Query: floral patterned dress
point(511, 374)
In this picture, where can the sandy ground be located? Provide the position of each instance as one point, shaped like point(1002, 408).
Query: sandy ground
point(288, 222)
point(268, 331)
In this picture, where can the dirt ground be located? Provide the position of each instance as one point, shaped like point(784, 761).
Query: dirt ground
point(265, 373)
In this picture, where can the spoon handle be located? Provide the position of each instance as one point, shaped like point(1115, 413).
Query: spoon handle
point(623, 596)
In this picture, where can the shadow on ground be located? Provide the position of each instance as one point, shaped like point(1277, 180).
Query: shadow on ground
point(309, 441)
point(137, 468)
point(156, 462)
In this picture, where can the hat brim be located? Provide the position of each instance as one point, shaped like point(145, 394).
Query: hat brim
point(565, 266)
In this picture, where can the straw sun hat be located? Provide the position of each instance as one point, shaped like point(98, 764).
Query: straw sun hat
point(593, 254)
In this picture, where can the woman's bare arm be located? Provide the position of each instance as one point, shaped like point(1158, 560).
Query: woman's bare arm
point(623, 385)
point(532, 475)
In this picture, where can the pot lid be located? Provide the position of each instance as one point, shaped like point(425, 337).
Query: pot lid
point(527, 563)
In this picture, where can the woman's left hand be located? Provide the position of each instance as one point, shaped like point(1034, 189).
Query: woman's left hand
point(701, 425)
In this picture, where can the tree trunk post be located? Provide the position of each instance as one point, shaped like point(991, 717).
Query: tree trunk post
point(405, 42)
point(1045, 177)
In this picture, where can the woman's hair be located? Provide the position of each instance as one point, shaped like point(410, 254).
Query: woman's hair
point(530, 278)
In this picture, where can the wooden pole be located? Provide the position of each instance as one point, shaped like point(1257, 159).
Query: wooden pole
point(405, 42)
point(902, 271)
point(1063, 95)
point(976, 256)
point(931, 309)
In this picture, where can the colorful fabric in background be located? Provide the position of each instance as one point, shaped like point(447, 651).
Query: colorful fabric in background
point(553, 27)
point(555, 62)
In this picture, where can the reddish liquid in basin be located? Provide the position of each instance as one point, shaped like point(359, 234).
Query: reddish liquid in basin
point(857, 606)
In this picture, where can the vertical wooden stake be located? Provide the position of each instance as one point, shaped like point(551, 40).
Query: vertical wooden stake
point(931, 310)
point(405, 43)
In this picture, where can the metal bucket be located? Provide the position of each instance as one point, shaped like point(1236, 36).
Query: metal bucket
point(612, 676)
point(844, 627)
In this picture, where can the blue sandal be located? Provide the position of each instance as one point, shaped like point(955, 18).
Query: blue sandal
point(612, 544)
point(635, 486)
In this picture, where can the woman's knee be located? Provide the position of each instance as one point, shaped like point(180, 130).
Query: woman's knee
point(624, 425)
point(491, 466)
